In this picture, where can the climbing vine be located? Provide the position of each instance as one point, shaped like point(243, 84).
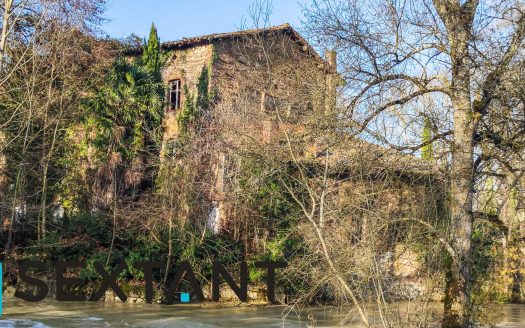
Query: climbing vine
point(194, 105)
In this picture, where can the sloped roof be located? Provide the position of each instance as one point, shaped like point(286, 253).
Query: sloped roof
point(209, 38)
point(352, 152)
point(355, 149)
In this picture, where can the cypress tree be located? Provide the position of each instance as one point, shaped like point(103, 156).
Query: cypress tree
point(427, 151)
point(151, 51)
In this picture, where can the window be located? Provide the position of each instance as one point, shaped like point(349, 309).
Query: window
point(174, 94)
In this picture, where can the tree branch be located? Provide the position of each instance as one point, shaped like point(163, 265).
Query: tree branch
point(494, 78)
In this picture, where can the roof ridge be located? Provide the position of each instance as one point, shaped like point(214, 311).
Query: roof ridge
point(190, 41)
point(193, 39)
point(245, 31)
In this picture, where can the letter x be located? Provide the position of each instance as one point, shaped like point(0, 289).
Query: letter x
point(109, 282)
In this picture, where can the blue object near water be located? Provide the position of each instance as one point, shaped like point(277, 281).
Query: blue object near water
point(185, 297)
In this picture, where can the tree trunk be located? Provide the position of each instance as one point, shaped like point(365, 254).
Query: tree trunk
point(170, 243)
point(457, 285)
point(458, 20)
point(5, 31)
point(457, 298)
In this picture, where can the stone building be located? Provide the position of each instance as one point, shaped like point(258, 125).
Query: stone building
point(256, 85)
point(252, 60)
point(265, 68)
point(271, 78)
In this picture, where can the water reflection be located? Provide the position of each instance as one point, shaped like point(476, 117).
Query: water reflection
point(71, 315)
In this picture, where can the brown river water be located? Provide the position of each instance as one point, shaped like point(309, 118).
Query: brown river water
point(50, 313)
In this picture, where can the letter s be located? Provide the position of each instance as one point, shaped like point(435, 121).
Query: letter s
point(42, 288)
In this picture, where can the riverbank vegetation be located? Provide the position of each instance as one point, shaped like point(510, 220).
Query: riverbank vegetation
point(410, 186)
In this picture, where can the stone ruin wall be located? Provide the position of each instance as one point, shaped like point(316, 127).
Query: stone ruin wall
point(186, 65)
point(420, 197)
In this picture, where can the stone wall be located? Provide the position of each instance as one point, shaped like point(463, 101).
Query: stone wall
point(254, 78)
point(185, 65)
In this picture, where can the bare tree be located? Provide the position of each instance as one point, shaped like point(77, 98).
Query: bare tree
point(48, 65)
point(393, 54)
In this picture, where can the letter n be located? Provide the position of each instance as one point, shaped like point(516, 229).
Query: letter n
point(241, 291)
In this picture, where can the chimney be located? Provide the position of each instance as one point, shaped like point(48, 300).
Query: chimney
point(331, 58)
point(331, 81)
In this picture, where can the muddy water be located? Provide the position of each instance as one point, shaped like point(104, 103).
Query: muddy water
point(71, 315)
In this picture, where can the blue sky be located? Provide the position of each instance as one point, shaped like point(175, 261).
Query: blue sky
point(184, 18)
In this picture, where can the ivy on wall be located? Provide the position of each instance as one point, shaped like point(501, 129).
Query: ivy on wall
point(194, 105)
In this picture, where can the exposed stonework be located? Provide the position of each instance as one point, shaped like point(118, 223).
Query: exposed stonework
point(259, 72)
point(185, 65)
point(238, 68)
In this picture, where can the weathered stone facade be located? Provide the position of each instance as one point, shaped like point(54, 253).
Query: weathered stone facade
point(263, 69)
point(184, 65)
point(259, 73)
point(265, 64)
